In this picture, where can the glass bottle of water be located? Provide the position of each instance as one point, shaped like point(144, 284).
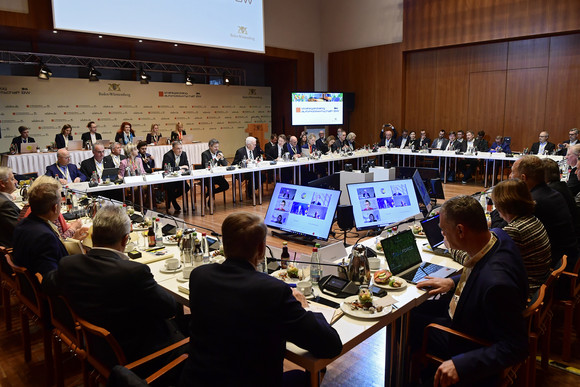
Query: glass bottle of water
point(204, 247)
point(315, 267)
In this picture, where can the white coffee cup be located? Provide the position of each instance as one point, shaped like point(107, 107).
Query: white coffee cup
point(171, 264)
point(374, 263)
point(187, 271)
point(304, 287)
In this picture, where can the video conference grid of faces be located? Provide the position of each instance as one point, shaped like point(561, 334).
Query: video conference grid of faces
point(308, 204)
point(372, 200)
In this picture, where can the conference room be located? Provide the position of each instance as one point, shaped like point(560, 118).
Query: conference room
point(389, 67)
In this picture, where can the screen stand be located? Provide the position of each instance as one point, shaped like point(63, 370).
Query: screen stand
point(288, 236)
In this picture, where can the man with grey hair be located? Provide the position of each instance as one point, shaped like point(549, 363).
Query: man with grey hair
point(248, 152)
point(216, 157)
point(37, 244)
point(543, 146)
point(564, 146)
point(8, 210)
point(63, 170)
point(114, 159)
point(106, 288)
point(176, 160)
point(262, 314)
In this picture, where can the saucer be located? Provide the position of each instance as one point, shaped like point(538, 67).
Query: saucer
point(171, 271)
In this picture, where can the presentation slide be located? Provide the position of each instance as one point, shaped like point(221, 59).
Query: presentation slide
point(232, 24)
point(317, 108)
point(302, 210)
point(380, 203)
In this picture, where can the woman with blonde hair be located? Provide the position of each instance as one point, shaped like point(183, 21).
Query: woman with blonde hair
point(153, 136)
point(132, 165)
point(178, 133)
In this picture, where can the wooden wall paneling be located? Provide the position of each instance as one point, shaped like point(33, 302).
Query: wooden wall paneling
point(563, 95)
point(420, 85)
point(452, 88)
point(487, 102)
point(389, 86)
point(39, 16)
point(528, 53)
point(525, 106)
point(488, 57)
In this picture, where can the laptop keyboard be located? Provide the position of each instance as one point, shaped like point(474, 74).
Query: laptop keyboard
point(421, 272)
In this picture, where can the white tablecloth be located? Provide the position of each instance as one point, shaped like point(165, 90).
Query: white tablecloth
point(37, 162)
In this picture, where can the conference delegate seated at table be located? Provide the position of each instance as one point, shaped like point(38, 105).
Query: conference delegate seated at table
point(154, 135)
point(214, 156)
point(341, 144)
point(403, 141)
point(132, 165)
point(387, 139)
point(273, 141)
point(321, 142)
point(106, 288)
point(573, 140)
point(310, 144)
point(243, 318)
point(24, 138)
point(572, 160)
point(8, 210)
point(543, 146)
point(175, 160)
point(440, 142)
point(125, 134)
point(115, 158)
point(91, 137)
point(148, 159)
point(424, 141)
point(63, 170)
point(61, 140)
point(37, 245)
point(487, 301)
point(97, 163)
point(248, 153)
point(178, 133)
point(350, 141)
point(499, 145)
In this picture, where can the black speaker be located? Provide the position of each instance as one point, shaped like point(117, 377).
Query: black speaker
point(387, 164)
point(348, 167)
point(344, 217)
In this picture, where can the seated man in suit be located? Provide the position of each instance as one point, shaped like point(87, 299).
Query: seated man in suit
point(175, 160)
point(341, 143)
point(551, 209)
point(249, 153)
point(387, 138)
point(486, 301)
point(114, 159)
point(543, 146)
point(563, 147)
point(63, 170)
point(273, 141)
point(37, 245)
point(424, 141)
point(440, 142)
point(148, 159)
point(106, 288)
point(468, 166)
point(403, 141)
point(572, 159)
point(8, 210)
point(91, 137)
point(24, 138)
point(293, 149)
point(321, 143)
point(96, 163)
point(216, 157)
point(262, 315)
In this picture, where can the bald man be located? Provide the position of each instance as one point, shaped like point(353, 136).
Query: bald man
point(63, 170)
point(543, 146)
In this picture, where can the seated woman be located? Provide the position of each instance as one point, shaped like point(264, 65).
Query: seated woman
point(153, 136)
point(330, 140)
point(350, 138)
point(63, 137)
point(310, 143)
point(125, 134)
point(132, 165)
point(178, 133)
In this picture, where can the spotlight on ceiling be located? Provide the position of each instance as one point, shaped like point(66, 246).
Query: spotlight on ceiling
point(189, 80)
point(44, 72)
point(94, 74)
point(226, 80)
point(144, 77)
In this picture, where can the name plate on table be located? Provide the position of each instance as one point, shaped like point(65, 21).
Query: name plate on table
point(133, 179)
point(485, 155)
point(437, 152)
point(405, 150)
point(495, 154)
point(154, 177)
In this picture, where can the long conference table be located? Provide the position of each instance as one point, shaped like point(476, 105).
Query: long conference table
point(352, 330)
point(37, 162)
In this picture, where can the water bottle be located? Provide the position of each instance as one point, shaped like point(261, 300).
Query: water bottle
point(315, 267)
point(158, 232)
point(204, 247)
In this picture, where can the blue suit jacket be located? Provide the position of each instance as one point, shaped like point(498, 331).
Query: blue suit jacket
point(491, 307)
point(52, 170)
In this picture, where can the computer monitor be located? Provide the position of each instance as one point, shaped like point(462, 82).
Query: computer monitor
point(422, 190)
point(331, 181)
point(380, 203)
point(301, 210)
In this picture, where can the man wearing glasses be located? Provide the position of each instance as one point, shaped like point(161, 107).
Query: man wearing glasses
point(563, 147)
point(63, 170)
point(543, 147)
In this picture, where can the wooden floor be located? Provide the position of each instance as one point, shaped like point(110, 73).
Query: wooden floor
point(362, 366)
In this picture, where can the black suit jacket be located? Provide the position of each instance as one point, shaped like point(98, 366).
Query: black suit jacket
point(206, 158)
point(8, 218)
point(481, 145)
point(169, 158)
point(241, 153)
point(118, 295)
point(89, 166)
point(273, 152)
point(18, 141)
point(573, 183)
point(86, 137)
point(59, 140)
point(322, 146)
point(422, 142)
point(43, 254)
point(536, 147)
point(261, 315)
point(109, 163)
point(268, 146)
point(443, 144)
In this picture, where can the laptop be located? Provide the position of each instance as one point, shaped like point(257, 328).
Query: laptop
point(74, 145)
point(405, 261)
point(111, 173)
point(29, 147)
point(433, 233)
point(187, 139)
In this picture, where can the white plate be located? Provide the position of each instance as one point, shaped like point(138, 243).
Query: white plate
point(169, 242)
point(362, 313)
point(278, 273)
point(420, 235)
point(171, 271)
point(386, 286)
point(140, 228)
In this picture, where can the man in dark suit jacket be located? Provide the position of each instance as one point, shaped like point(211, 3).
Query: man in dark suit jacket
point(91, 136)
point(215, 156)
point(176, 160)
point(542, 146)
point(341, 143)
point(37, 245)
point(565, 145)
point(424, 141)
point(96, 163)
point(263, 313)
point(106, 288)
point(8, 210)
point(440, 142)
point(248, 152)
point(23, 138)
point(321, 144)
point(487, 301)
point(293, 149)
point(273, 141)
point(551, 209)
point(402, 141)
point(63, 170)
point(116, 156)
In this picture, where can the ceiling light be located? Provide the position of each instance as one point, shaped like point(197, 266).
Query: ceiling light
point(93, 74)
point(44, 72)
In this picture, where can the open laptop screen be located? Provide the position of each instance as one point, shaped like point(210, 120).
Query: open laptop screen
point(432, 231)
point(401, 251)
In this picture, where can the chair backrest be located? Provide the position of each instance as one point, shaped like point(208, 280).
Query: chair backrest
point(574, 282)
point(545, 310)
point(65, 322)
point(7, 275)
point(28, 289)
point(102, 349)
